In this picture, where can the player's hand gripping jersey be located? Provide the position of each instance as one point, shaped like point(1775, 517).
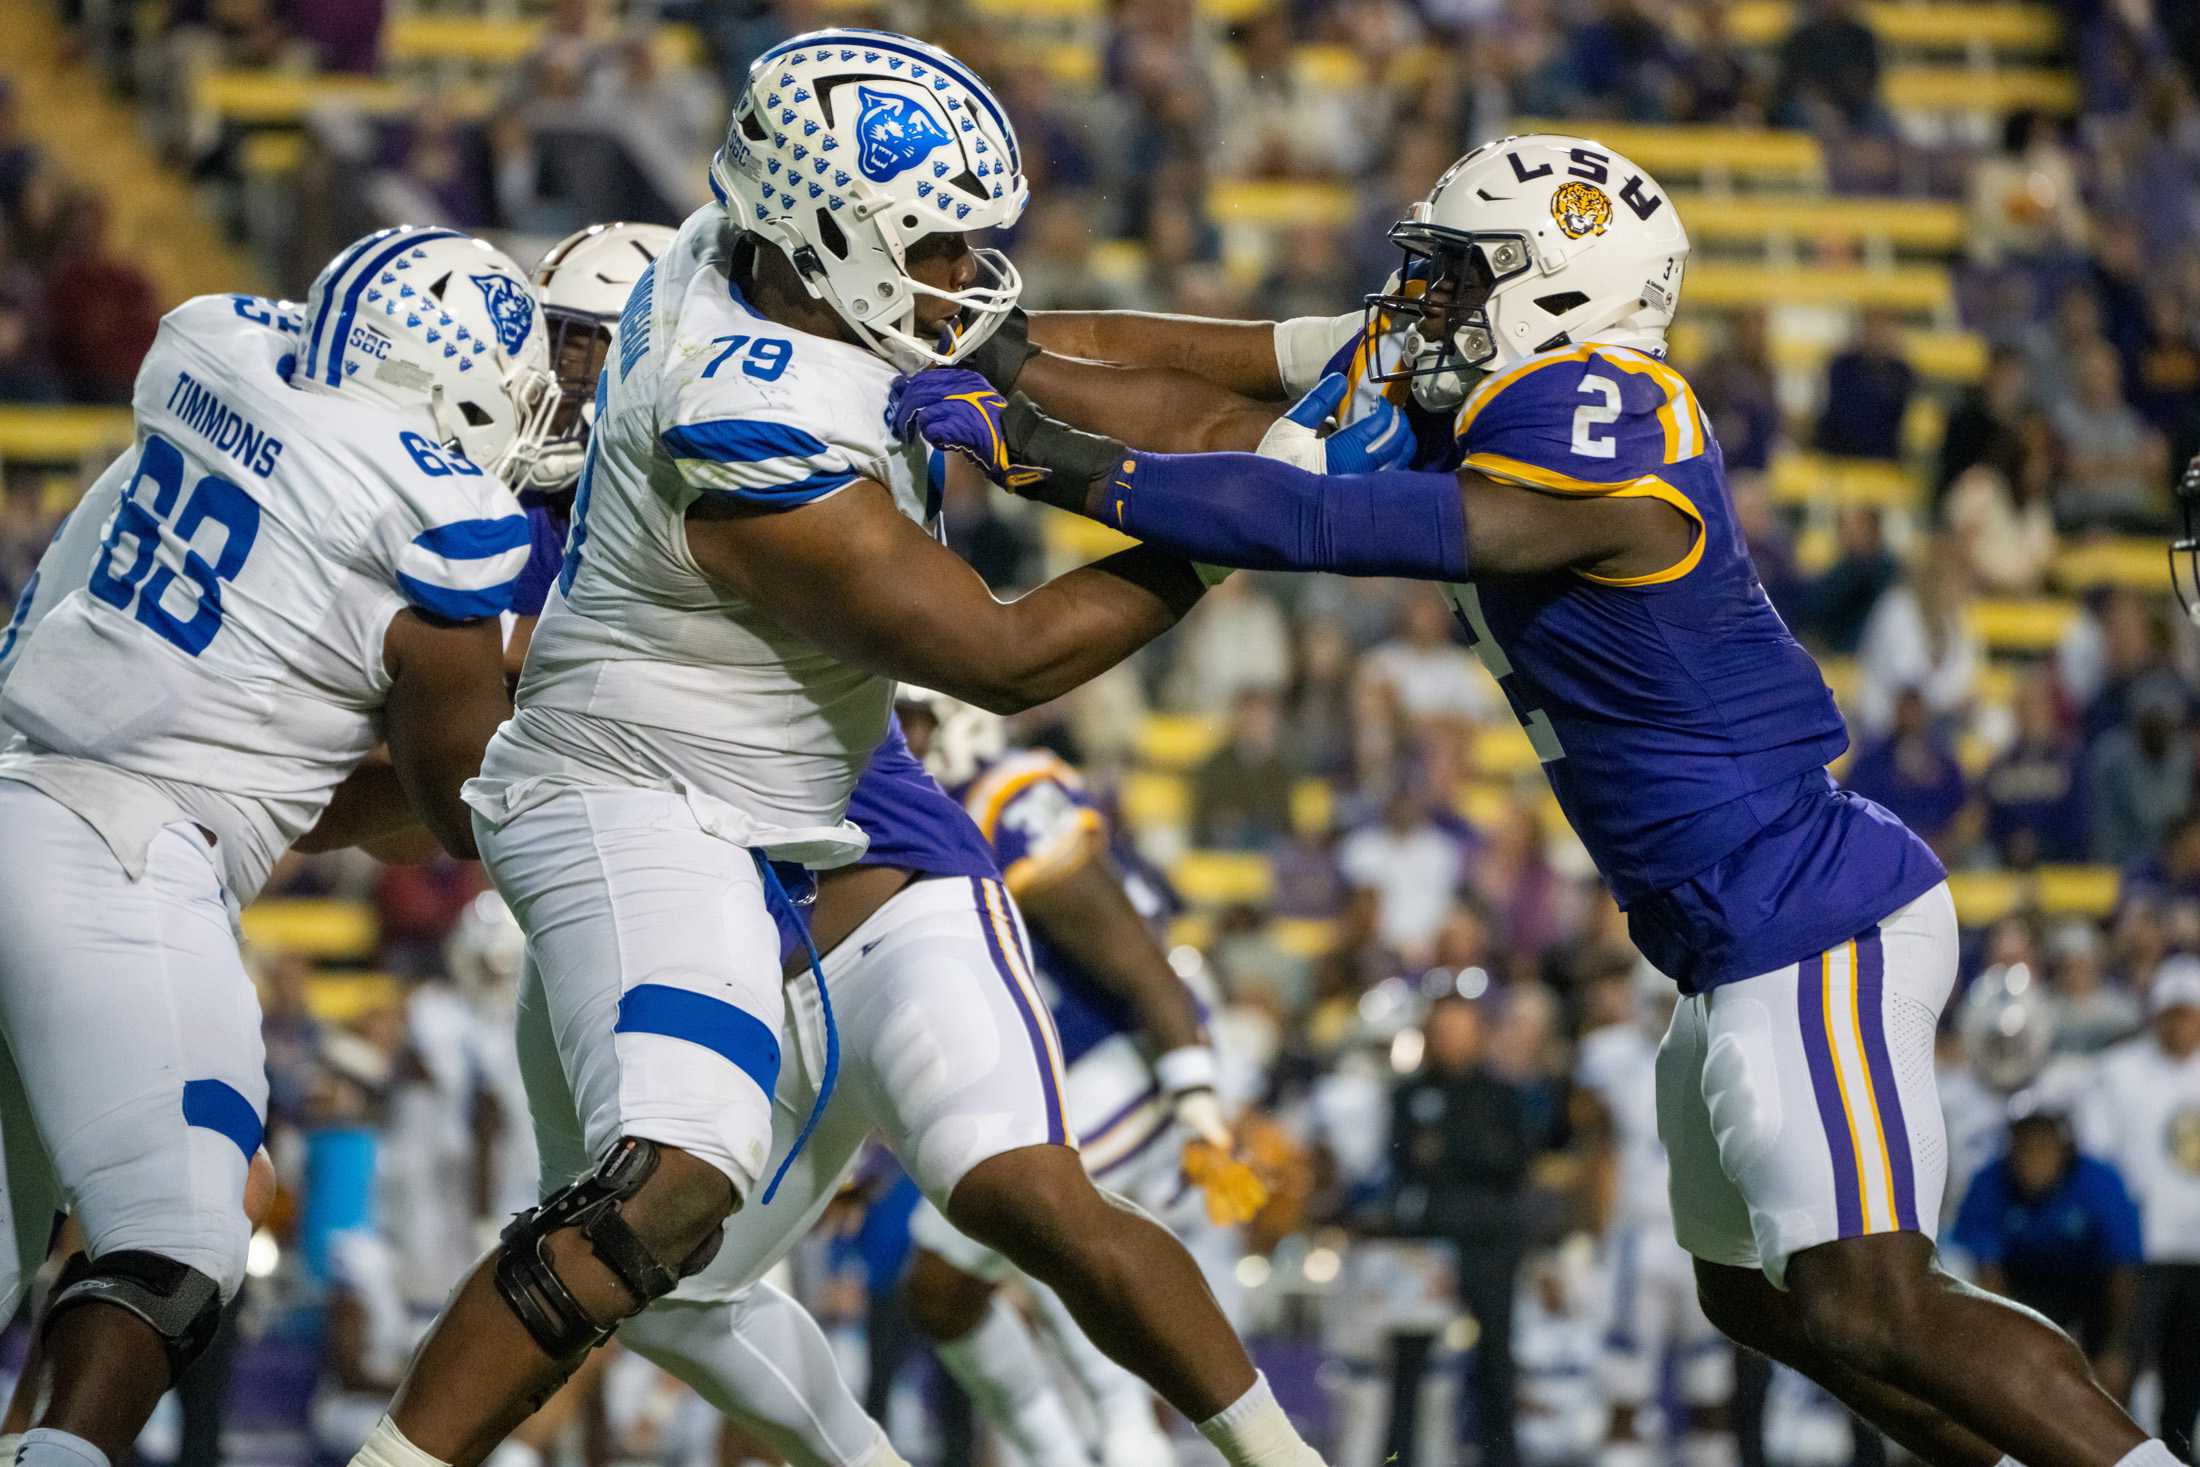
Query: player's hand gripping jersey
point(1683, 728)
point(644, 671)
point(205, 637)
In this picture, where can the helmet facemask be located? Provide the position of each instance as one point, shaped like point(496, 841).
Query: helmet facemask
point(580, 343)
point(1456, 273)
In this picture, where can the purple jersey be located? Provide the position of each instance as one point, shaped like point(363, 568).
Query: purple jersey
point(1683, 729)
point(915, 825)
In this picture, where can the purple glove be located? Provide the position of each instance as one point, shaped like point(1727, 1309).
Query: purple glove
point(954, 410)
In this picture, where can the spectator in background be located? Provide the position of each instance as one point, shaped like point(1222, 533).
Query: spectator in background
point(2025, 203)
point(2056, 1231)
point(1739, 387)
point(2171, 871)
point(2115, 465)
point(20, 159)
point(1512, 873)
point(2141, 1114)
point(27, 371)
point(1241, 794)
point(1054, 254)
point(1310, 260)
point(2033, 792)
point(2090, 1012)
point(1241, 640)
point(2054, 348)
point(1624, 62)
point(2140, 774)
point(2008, 528)
point(1913, 772)
point(26, 529)
point(1318, 730)
point(1461, 1146)
point(1403, 872)
point(1432, 677)
point(1832, 610)
point(2165, 375)
point(989, 532)
point(1869, 385)
point(1919, 637)
point(109, 303)
point(2104, 655)
point(1829, 70)
point(1984, 426)
point(1269, 122)
point(1771, 552)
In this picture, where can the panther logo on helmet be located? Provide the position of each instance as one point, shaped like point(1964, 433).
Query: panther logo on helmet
point(510, 307)
point(1581, 209)
point(897, 134)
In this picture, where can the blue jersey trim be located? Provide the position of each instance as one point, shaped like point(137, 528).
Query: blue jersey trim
point(217, 1106)
point(333, 372)
point(452, 605)
point(476, 539)
point(740, 441)
point(733, 1034)
point(784, 496)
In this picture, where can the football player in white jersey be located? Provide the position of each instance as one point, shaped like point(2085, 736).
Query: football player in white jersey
point(304, 553)
point(1654, 1316)
point(748, 569)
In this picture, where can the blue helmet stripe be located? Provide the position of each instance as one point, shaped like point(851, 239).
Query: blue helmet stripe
point(335, 277)
point(333, 372)
point(888, 41)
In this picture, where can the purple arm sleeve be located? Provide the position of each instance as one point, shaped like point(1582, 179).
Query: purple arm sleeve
point(1253, 513)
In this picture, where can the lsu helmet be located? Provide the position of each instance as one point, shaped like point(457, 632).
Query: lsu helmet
point(433, 321)
point(849, 146)
point(964, 738)
point(1529, 243)
point(583, 282)
point(2007, 1024)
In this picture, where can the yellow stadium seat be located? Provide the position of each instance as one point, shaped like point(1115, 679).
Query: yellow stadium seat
point(1148, 798)
point(1071, 64)
point(1962, 89)
point(1984, 897)
point(61, 435)
point(1276, 205)
point(272, 154)
point(1192, 929)
point(1680, 151)
point(1926, 27)
point(1305, 937)
point(1914, 224)
point(282, 98)
point(1313, 805)
point(1222, 878)
point(1178, 740)
point(1912, 289)
point(345, 998)
point(1503, 751)
point(1818, 480)
point(1956, 357)
point(313, 927)
point(2139, 564)
point(1043, 11)
point(2022, 626)
point(1842, 675)
point(1996, 682)
point(477, 39)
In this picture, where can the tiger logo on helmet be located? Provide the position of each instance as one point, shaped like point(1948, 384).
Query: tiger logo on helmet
point(1581, 209)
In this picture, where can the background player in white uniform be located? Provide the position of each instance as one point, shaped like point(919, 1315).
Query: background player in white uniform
point(1654, 1317)
point(745, 572)
point(304, 551)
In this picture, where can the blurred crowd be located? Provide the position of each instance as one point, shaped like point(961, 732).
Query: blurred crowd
point(1429, 922)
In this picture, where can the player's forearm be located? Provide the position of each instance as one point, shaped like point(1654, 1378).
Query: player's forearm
point(1162, 409)
point(1239, 356)
point(369, 805)
point(1072, 629)
point(1086, 915)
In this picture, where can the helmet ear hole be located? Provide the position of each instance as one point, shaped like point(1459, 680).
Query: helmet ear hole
point(1562, 302)
point(475, 415)
point(911, 221)
point(830, 236)
point(753, 128)
point(442, 283)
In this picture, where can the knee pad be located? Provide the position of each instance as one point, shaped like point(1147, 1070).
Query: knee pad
point(592, 1206)
point(175, 1300)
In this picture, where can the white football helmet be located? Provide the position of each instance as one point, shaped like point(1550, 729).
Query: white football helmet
point(485, 952)
point(964, 738)
point(436, 322)
point(583, 283)
point(1528, 243)
point(849, 146)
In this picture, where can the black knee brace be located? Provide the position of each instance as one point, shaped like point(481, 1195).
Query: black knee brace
point(178, 1303)
point(529, 1284)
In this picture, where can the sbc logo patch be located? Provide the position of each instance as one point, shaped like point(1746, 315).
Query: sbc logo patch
point(1581, 209)
point(510, 307)
point(895, 132)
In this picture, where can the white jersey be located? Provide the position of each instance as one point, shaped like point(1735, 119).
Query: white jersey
point(2142, 1115)
point(645, 672)
point(205, 638)
point(1619, 1064)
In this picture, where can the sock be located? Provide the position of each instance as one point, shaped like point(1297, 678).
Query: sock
point(46, 1447)
point(1717, 1449)
point(1256, 1433)
point(2150, 1454)
point(999, 1364)
point(386, 1446)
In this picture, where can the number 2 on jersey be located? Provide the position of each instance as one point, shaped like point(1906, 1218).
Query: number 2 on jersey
point(160, 464)
point(1466, 599)
point(1591, 416)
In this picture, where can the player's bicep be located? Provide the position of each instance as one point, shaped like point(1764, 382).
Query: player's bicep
point(853, 574)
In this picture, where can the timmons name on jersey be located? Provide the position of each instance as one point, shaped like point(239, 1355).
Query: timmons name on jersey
point(221, 425)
